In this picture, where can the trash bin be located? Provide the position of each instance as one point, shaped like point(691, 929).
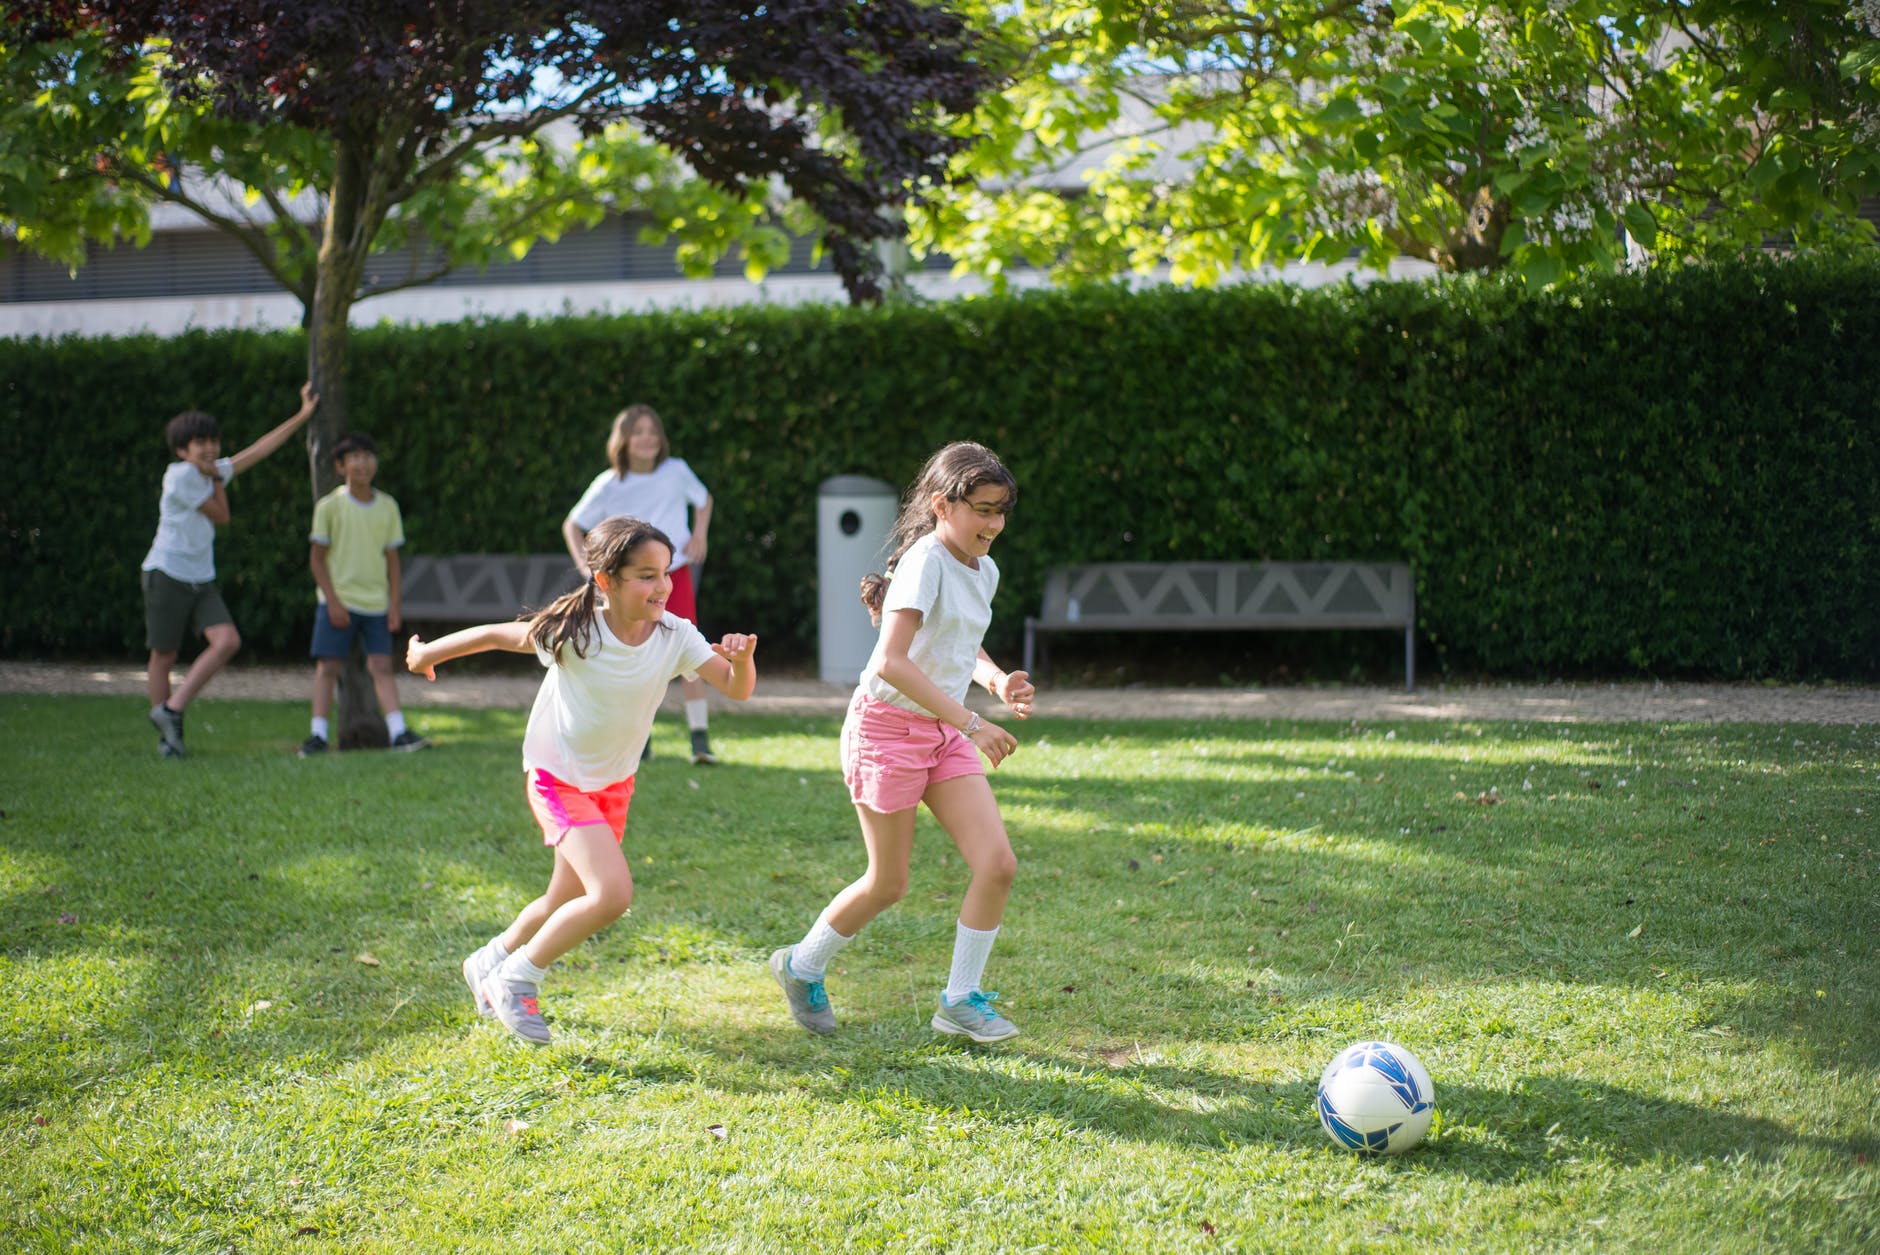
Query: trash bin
point(854, 515)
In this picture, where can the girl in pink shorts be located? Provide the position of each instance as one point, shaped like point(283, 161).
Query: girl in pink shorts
point(909, 738)
point(610, 649)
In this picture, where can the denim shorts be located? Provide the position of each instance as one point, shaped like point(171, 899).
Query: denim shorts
point(891, 755)
point(374, 630)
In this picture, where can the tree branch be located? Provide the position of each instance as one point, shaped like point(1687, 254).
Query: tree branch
point(250, 234)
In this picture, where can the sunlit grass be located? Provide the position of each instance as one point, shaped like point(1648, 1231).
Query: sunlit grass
point(1639, 962)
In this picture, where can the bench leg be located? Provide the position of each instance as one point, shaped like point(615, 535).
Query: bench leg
point(1029, 651)
point(1409, 658)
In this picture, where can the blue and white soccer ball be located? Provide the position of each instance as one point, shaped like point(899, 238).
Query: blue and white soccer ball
point(1375, 1098)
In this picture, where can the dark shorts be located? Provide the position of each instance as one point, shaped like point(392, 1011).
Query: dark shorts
point(373, 630)
point(172, 607)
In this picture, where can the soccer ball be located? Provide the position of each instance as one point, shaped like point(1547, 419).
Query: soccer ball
point(1375, 1098)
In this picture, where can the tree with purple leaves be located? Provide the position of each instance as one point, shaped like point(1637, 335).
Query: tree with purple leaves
point(356, 147)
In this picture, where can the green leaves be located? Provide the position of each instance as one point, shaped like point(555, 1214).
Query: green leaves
point(1250, 130)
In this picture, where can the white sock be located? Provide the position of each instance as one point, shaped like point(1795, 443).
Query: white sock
point(971, 948)
point(811, 956)
point(518, 969)
point(495, 947)
point(395, 723)
point(320, 727)
point(695, 715)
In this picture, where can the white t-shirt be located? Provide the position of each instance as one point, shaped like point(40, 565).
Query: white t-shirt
point(184, 548)
point(592, 715)
point(660, 497)
point(955, 604)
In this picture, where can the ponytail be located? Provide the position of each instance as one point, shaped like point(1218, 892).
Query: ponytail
point(953, 472)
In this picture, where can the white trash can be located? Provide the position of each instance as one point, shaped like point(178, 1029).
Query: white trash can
point(854, 515)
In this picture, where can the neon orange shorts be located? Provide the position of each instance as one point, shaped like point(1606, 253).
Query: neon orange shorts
point(559, 806)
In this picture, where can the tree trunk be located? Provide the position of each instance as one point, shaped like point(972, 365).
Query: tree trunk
point(358, 722)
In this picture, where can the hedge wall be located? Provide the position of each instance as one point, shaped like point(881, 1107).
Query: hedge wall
point(1673, 473)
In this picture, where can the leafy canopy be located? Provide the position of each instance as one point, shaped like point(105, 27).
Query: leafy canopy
point(476, 127)
point(1476, 134)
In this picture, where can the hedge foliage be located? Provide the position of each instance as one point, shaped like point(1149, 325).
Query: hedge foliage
point(1675, 473)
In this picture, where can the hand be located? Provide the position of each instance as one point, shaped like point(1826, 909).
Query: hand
point(695, 549)
point(308, 399)
point(394, 621)
point(992, 741)
point(418, 658)
point(737, 648)
point(1017, 691)
point(338, 615)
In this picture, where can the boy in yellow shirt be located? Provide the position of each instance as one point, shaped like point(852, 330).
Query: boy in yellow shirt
point(353, 552)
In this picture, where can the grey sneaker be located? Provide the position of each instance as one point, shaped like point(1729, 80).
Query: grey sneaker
point(313, 747)
point(475, 968)
point(409, 740)
point(514, 1003)
point(169, 726)
point(973, 1016)
point(809, 1005)
point(702, 755)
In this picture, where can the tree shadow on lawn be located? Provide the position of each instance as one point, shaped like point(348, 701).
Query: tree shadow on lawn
point(893, 1082)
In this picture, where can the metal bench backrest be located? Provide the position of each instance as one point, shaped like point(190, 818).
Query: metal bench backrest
point(483, 587)
point(1129, 595)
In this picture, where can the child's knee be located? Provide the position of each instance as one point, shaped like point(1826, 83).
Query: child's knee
point(1001, 868)
point(885, 889)
point(614, 898)
point(379, 665)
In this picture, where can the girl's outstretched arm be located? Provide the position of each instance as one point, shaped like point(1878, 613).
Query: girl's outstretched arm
point(423, 656)
point(733, 670)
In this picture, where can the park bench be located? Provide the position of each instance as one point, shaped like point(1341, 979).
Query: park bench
point(482, 587)
point(1203, 596)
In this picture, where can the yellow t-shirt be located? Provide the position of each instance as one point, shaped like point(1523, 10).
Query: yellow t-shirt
point(356, 535)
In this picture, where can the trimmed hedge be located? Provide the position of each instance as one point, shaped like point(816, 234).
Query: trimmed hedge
point(1672, 472)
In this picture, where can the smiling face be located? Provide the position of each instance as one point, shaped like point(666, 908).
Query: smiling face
point(637, 589)
point(201, 453)
point(644, 440)
point(357, 467)
point(969, 526)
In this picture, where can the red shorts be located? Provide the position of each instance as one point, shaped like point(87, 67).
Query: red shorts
point(890, 755)
point(559, 806)
point(683, 601)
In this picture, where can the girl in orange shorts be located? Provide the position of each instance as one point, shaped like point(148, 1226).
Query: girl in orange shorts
point(610, 648)
point(909, 739)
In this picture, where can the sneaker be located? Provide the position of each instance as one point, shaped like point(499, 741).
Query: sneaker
point(312, 746)
point(409, 740)
point(702, 755)
point(973, 1016)
point(809, 1005)
point(475, 968)
point(514, 1003)
point(169, 726)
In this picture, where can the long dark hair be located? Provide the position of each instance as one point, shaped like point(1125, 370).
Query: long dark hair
point(953, 472)
point(569, 619)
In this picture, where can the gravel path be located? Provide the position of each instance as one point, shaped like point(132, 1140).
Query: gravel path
point(785, 694)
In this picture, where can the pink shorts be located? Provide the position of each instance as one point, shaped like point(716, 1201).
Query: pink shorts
point(890, 755)
point(559, 806)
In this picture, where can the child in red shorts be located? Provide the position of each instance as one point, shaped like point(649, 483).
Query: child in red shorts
point(611, 648)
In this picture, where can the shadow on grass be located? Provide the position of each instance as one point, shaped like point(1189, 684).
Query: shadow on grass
point(418, 858)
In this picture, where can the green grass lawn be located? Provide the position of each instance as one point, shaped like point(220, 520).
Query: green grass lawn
point(1641, 963)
